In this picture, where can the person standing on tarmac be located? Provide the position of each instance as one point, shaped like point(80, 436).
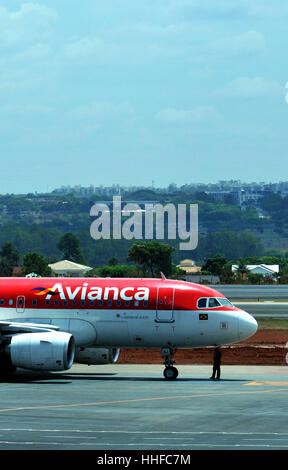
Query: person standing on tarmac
point(216, 364)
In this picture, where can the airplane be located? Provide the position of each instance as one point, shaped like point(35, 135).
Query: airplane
point(47, 324)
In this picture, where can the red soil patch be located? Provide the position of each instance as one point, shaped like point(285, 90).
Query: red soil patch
point(266, 347)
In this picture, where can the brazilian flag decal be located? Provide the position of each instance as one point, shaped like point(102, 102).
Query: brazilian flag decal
point(203, 316)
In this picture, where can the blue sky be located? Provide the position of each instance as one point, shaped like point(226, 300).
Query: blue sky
point(126, 92)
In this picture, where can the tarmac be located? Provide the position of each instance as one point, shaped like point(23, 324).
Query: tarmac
point(132, 407)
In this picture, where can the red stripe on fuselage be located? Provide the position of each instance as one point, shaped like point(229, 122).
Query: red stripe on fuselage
point(116, 293)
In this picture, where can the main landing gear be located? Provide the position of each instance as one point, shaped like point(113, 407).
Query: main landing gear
point(170, 372)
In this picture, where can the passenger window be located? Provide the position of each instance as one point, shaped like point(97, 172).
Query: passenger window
point(202, 303)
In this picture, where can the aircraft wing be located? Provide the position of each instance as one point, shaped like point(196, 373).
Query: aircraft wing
point(16, 327)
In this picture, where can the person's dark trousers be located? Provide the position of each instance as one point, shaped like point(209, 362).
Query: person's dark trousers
point(216, 371)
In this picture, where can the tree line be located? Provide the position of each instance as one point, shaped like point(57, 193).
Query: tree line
point(33, 223)
point(33, 262)
point(144, 259)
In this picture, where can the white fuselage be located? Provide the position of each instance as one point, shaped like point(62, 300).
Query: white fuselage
point(142, 328)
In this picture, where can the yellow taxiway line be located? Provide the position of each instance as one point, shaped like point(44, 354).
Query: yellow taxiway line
point(141, 400)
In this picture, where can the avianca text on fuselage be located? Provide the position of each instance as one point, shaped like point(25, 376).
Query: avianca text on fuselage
point(94, 292)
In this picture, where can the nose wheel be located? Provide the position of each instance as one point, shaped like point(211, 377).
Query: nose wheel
point(170, 372)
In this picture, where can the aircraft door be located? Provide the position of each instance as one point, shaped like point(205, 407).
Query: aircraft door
point(165, 305)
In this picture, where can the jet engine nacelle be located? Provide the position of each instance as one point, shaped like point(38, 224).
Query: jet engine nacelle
point(95, 356)
point(42, 351)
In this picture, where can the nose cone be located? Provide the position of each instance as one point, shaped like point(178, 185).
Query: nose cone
point(247, 325)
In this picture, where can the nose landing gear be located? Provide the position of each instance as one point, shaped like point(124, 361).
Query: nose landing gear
point(170, 372)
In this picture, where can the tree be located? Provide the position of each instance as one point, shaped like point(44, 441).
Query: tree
point(242, 269)
point(6, 270)
point(232, 244)
point(152, 256)
point(34, 263)
point(69, 244)
point(177, 272)
point(227, 276)
point(117, 270)
point(255, 278)
point(215, 264)
point(9, 258)
point(113, 261)
point(9, 253)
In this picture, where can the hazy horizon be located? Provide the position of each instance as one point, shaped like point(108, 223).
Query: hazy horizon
point(131, 185)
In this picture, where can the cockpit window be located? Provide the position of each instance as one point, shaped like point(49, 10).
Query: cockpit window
point(202, 303)
point(212, 302)
point(225, 302)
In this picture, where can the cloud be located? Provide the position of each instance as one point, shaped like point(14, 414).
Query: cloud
point(33, 54)
point(230, 45)
point(225, 10)
point(102, 110)
point(134, 46)
point(26, 45)
point(26, 109)
point(209, 9)
point(99, 50)
point(245, 87)
point(83, 48)
point(180, 117)
point(30, 22)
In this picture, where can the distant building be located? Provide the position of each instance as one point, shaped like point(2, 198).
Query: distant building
point(66, 268)
point(193, 273)
point(270, 270)
point(188, 265)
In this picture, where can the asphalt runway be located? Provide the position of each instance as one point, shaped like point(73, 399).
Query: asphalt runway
point(261, 301)
point(132, 407)
point(264, 309)
point(253, 292)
